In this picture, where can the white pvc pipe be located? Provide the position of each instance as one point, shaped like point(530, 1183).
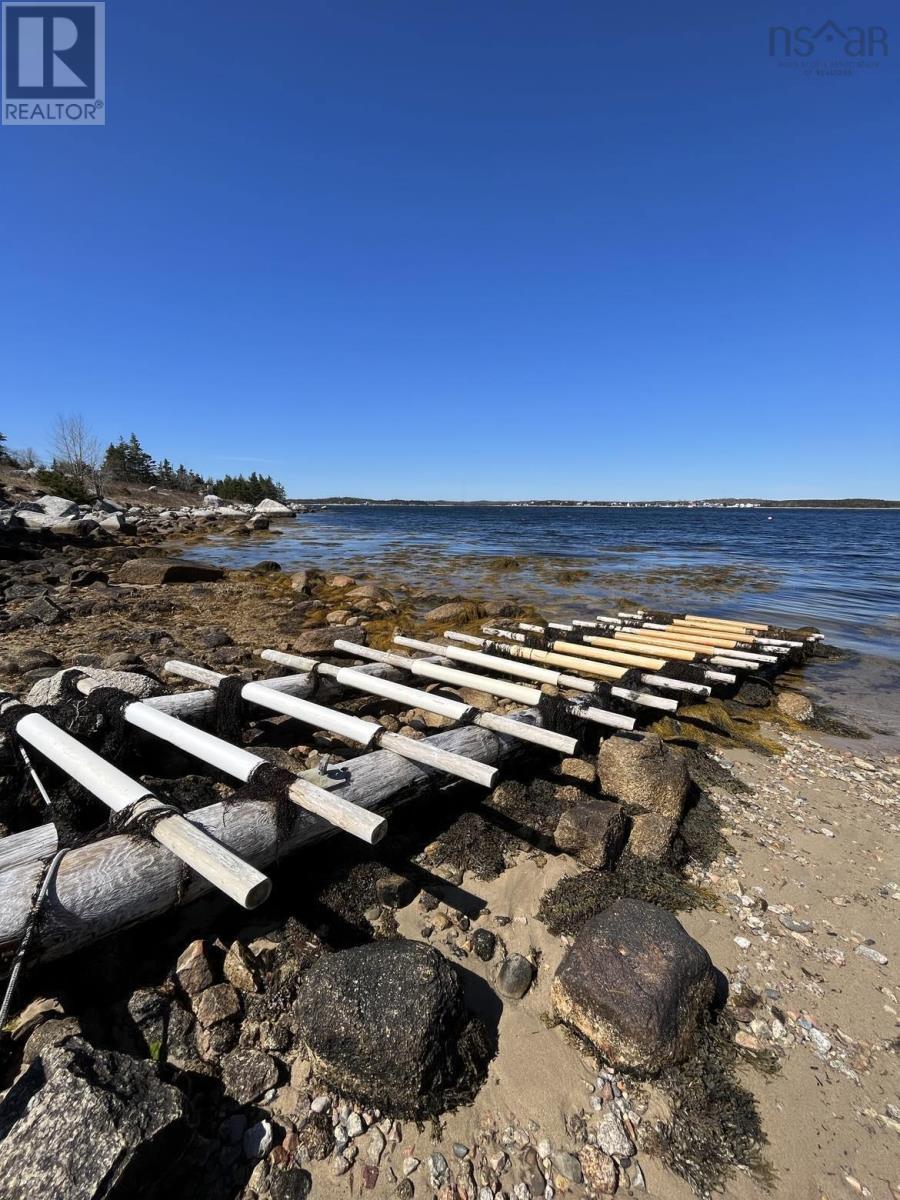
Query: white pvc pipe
point(438, 704)
point(490, 661)
point(233, 760)
point(240, 764)
point(677, 685)
point(110, 785)
point(454, 710)
point(600, 716)
point(217, 864)
point(348, 726)
point(429, 670)
point(735, 663)
point(343, 724)
point(642, 698)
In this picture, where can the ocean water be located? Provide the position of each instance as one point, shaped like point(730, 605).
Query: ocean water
point(838, 569)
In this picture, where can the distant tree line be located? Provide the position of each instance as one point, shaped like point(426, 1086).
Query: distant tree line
point(79, 469)
point(126, 461)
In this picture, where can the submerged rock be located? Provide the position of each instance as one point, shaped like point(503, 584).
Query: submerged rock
point(86, 1124)
point(646, 773)
point(386, 1023)
point(635, 985)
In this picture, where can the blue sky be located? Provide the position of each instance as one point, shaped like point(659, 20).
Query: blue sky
point(448, 248)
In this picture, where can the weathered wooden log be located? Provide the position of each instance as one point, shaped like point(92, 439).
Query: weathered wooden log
point(574, 664)
point(121, 880)
point(672, 646)
point(431, 703)
point(217, 865)
point(685, 634)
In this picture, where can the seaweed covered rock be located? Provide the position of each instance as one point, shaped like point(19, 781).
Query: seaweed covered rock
point(795, 706)
point(386, 1024)
point(84, 1123)
point(646, 773)
point(593, 832)
point(635, 984)
point(652, 836)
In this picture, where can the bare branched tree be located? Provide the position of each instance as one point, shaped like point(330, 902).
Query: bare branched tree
point(76, 449)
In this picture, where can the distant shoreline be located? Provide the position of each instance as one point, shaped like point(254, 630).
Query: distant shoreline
point(740, 505)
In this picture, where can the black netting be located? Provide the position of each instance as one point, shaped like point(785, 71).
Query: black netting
point(228, 720)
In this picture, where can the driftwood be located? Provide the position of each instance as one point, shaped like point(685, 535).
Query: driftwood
point(117, 882)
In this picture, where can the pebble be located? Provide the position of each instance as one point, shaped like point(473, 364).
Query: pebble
point(438, 1170)
point(258, 1140)
point(875, 955)
point(567, 1165)
point(320, 1104)
point(375, 1148)
point(612, 1138)
point(796, 926)
point(742, 943)
point(340, 1164)
point(484, 943)
point(601, 1175)
point(514, 976)
point(410, 1165)
point(460, 1150)
point(355, 1125)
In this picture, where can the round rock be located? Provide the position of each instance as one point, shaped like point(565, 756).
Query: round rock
point(514, 976)
point(386, 1024)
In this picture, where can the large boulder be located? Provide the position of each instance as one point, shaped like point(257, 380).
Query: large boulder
point(593, 832)
point(274, 508)
point(86, 1124)
point(167, 570)
point(51, 689)
point(386, 1024)
point(635, 984)
point(645, 773)
point(455, 610)
point(114, 522)
point(322, 638)
point(58, 507)
point(35, 520)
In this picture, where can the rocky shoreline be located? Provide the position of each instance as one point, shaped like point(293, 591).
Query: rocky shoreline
point(500, 1001)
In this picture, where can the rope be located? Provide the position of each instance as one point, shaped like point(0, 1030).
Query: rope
point(47, 874)
point(130, 820)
